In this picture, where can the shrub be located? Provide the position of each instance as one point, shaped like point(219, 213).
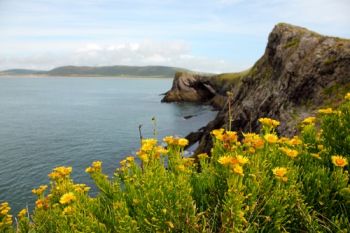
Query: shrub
point(263, 183)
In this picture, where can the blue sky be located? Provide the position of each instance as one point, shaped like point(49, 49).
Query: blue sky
point(206, 35)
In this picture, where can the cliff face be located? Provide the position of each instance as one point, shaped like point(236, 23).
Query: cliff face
point(299, 72)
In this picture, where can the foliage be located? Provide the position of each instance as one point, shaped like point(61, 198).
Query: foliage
point(293, 42)
point(262, 183)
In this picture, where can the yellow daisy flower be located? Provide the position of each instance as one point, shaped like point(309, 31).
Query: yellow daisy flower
point(271, 138)
point(67, 198)
point(269, 122)
point(238, 170)
point(225, 160)
point(182, 142)
point(339, 161)
point(347, 96)
point(325, 110)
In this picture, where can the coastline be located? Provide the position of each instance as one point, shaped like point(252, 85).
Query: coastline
point(85, 76)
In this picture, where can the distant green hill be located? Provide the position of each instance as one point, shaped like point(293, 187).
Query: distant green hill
point(21, 72)
point(135, 71)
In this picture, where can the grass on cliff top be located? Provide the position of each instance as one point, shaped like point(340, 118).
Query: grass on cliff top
point(230, 79)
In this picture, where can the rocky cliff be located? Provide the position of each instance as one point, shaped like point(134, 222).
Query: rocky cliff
point(299, 72)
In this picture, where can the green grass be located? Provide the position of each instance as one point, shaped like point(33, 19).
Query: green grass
point(229, 79)
point(292, 43)
point(329, 61)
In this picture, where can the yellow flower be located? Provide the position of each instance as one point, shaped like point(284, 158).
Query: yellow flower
point(169, 140)
point(162, 150)
point(230, 136)
point(202, 156)
point(81, 188)
point(143, 157)
point(295, 141)
point(251, 150)
point(280, 173)
point(122, 163)
point(5, 218)
point(218, 133)
point(68, 210)
point(252, 139)
point(60, 172)
point(130, 159)
point(146, 147)
point(148, 144)
point(4, 211)
point(271, 138)
point(347, 96)
point(325, 110)
point(238, 169)
point(289, 152)
point(182, 142)
point(4, 205)
point(258, 143)
point(4, 208)
point(180, 168)
point(309, 120)
point(283, 140)
point(39, 203)
point(89, 170)
point(7, 221)
point(22, 213)
point(170, 224)
point(225, 160)
point(339, 161)
point(188, 161)
point(316, 155)
point(150, 141)
point(96, 166)
point(39, 190)
point(269, 122)
point(67, 198)
point(242, 160)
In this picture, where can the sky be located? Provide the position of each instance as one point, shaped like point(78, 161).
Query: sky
point(202, 35)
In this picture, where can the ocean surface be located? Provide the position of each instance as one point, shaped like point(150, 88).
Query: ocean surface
point(59, 121)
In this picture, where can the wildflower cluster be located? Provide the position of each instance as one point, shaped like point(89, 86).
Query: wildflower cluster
point(269, 122)
point(5, 217)
point(60, 173)
point(95, 167)
point(258, 183)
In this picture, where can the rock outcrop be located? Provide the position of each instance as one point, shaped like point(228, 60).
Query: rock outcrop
point(190, 87)
point(197, 88)
point(299, 72)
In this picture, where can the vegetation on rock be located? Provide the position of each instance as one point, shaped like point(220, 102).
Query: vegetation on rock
point(262, 183)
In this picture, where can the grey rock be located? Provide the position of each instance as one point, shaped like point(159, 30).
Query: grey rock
point(299, 72)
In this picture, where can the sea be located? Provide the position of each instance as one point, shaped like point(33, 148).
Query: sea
point(47, 122)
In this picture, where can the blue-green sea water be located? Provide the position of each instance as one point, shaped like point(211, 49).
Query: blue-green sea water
point(49, 122)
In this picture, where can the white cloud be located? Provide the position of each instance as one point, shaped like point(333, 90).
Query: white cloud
point(91, 47)
point(147, 52)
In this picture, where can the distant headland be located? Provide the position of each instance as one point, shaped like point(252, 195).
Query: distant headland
point(99, 71)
